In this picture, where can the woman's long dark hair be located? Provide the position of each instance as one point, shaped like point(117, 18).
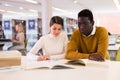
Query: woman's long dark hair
point(57, 20)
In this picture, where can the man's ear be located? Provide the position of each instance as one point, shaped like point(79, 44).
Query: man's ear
point(93, 22)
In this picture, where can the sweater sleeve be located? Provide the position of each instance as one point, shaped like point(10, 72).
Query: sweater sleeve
point(32, 57)
point(72, 48)
point(72, 54)
point(103, 42)
point(38, 45)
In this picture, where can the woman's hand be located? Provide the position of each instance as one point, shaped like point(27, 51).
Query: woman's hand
point(44, 57)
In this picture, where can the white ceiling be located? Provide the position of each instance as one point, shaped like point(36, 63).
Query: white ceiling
point(68, 6)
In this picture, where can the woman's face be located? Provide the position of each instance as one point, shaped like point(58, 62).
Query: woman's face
point(56, 29)
point(17, 28)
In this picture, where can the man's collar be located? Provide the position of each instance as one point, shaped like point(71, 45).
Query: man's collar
point(93, 32)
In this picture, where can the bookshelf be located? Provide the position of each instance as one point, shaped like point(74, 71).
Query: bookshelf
point(33, 31)
point(70, 25)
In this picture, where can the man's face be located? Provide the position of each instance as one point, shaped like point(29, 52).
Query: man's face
point(85, 25)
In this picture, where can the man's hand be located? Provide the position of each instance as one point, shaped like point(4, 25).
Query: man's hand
point(96, 57)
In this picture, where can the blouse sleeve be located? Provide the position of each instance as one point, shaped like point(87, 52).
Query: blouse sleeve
point(38, 45)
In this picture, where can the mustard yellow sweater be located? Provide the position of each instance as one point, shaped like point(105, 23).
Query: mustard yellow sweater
point(80, 46)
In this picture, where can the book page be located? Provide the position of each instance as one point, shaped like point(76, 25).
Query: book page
point(48, 64)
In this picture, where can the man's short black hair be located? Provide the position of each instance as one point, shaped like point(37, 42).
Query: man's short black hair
point(86, 13)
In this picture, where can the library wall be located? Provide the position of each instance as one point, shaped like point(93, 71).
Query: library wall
point(110, 22)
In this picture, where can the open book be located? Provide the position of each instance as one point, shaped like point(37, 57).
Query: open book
point(55, 67)
point(76, 62)
point(88, 63)
point(45, 65)
point(63, 64)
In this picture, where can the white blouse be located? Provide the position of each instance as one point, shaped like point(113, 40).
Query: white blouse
point(54, 46)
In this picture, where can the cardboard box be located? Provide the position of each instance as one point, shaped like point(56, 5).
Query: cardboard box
point(10, 58)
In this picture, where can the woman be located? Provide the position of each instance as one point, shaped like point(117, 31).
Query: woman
point(18, 41)
point(53, 44)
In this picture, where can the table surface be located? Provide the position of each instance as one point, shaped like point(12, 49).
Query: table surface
point(3, 41)
point(108, 70)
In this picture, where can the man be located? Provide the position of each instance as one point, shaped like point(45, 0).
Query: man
point(88, 41)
